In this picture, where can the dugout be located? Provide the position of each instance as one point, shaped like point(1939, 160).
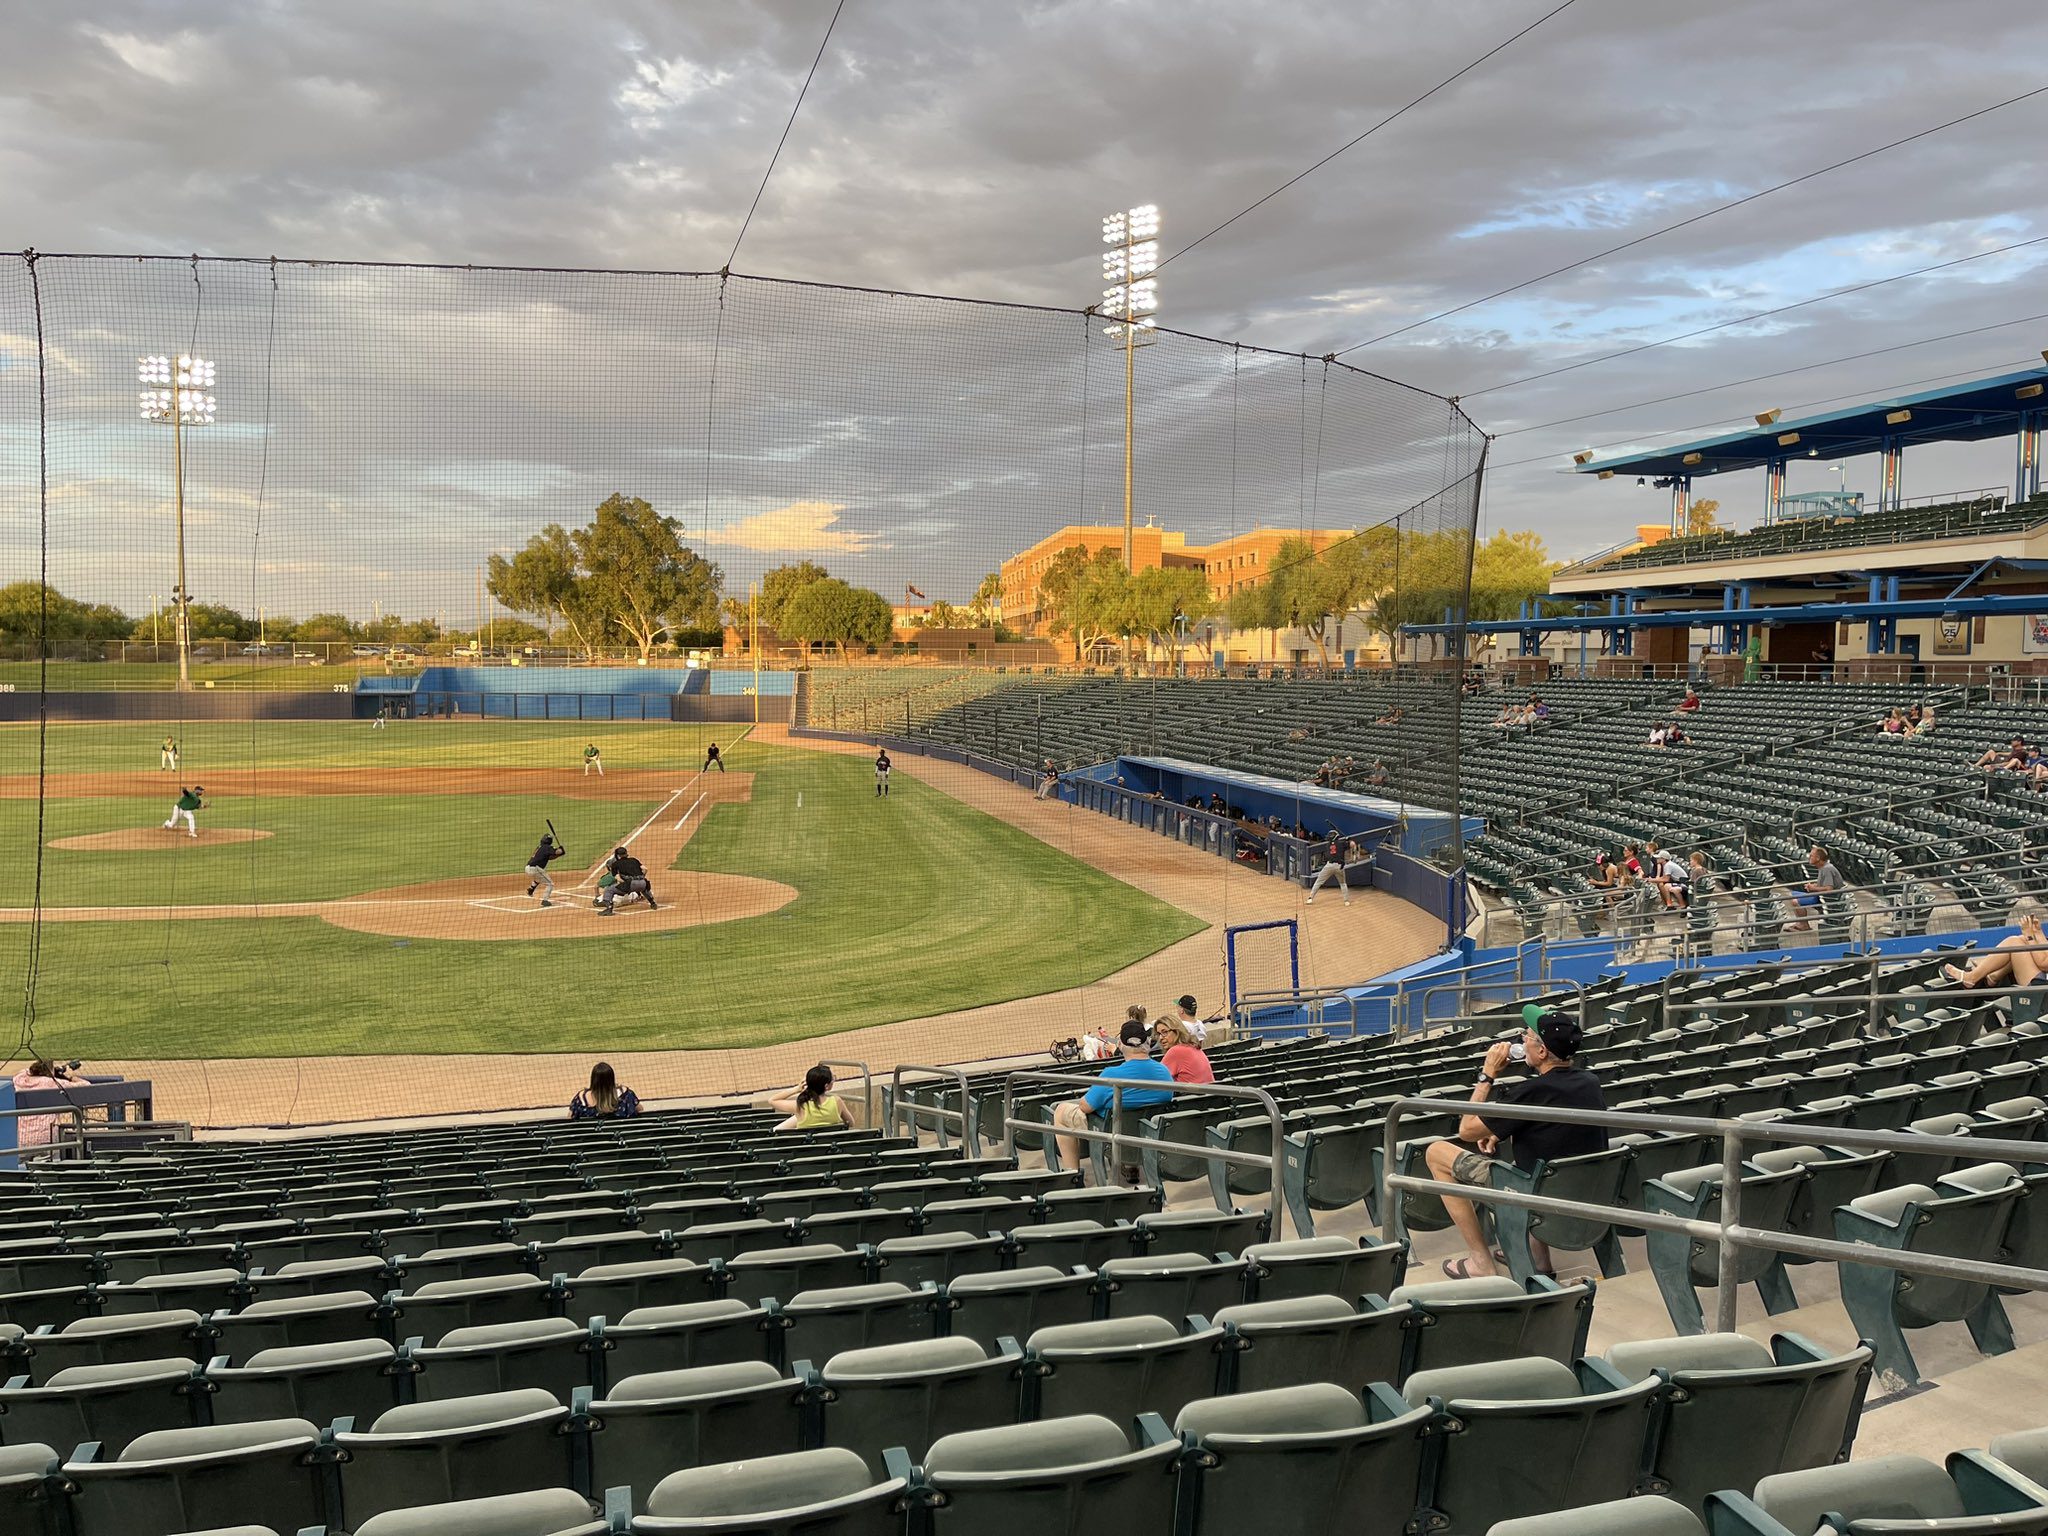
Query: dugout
point(1417, 831)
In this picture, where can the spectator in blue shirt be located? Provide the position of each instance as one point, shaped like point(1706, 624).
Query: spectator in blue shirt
point(1091, 1110)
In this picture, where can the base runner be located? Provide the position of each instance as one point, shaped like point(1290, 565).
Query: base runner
point(537, 867)
point(190, 802)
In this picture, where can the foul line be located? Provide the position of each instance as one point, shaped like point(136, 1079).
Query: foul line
point(690, 812)
point(661, 810)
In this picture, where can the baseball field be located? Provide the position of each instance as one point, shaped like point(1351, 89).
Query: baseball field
point(360, 891)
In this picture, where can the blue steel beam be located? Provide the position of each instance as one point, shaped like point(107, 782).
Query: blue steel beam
point(1796, 613)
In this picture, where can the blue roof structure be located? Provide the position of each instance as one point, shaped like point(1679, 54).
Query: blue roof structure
point(1960, 413)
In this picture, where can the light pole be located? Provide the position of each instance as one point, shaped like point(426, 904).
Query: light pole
point(1131, 300)
point(178, 392)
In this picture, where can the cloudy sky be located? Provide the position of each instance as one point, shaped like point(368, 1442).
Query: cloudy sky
point(969, 150)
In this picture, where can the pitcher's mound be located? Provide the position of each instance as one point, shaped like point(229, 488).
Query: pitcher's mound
point(497, 907)
point(130, 839)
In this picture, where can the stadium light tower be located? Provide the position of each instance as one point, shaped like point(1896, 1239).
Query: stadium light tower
point(1131, 300)
point(178, 392)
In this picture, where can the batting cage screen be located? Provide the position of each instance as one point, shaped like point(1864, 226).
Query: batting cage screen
point(422, 682)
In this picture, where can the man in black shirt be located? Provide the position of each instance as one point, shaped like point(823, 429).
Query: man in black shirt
point(1550, 1041)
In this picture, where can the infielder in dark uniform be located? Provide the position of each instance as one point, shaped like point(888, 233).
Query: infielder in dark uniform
point(712, 759)
point(537, 867)
point(882, 774)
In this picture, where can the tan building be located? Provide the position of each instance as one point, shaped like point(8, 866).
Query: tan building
point(1238, 561)
point(1022, 572)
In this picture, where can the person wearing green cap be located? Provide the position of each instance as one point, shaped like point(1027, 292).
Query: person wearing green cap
point(1550, 1046)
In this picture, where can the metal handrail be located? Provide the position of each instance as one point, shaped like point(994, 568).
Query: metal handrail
point(899, 1107)
point(1871, 996)
point(1727, 1231)
point(1275, 1162)
point(1465, 989)
point(867, 1087)
point(76, 1138)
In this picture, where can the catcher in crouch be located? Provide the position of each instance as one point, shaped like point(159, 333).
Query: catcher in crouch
point(628, 879)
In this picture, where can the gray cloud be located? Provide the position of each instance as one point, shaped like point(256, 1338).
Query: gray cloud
point(969, 150)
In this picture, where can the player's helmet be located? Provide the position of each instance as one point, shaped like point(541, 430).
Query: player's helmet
point(198, 789)
point(618, 853)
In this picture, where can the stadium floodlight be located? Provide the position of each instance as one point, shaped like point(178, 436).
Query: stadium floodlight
point(2028, 392)
point(1691, 459)
point(1584, 456)
point(1131, 302)
point(1765, 418)
point(1897, 418)
point(1787, 439)
point(177, 392)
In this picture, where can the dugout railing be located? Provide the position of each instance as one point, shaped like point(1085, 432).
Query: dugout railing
point(1274, 1162)
point(71, 1143)
point(1728, 1231)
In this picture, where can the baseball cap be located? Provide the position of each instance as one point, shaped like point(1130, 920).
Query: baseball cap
point(1559, 1032)
point(1187, 1001)
point(1134, 1033)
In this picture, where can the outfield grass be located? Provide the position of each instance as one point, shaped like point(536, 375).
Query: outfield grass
point(906, 907)
point(131, 745)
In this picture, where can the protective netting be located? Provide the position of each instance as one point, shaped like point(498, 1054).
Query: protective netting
point(447, 530)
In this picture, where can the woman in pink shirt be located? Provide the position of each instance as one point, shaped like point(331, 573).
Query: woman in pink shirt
point(33, 1131)
point(1188, 1062)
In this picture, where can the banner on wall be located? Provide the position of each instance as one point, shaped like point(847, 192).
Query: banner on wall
point(1952, 637)
point(2034, 638)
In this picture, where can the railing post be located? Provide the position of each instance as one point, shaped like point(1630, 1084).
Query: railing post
point(1731, 1215)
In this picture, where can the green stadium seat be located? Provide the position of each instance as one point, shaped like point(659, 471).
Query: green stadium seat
point(906, 1395)
point(759, 1273)
point(820, 1323)
point(1682, 1264)
point(1204, 1230)
point(615, 1289)
point(1168, 1284)
point(1016, 1303)
point(1080, 1241)
point(122, 1340)
point(1310, 1458)
point(759, 1497)
point(646, 1426)
point(31, 1488)
point(316, 1382)
point(441, 1306)
point(294, 1321)
point(1641, 1516)
point(108, 1403)
point(684, 1337)
point(1885, 1303)
point(1057, 1477)
point(1323, 1266)
point(1462, 1322)
point(552, 1353)
point(544, 1512)
point(175, 1480)
point(934, 1258)
point(460, 1448)
point(1120, 1366)
point(1974, 1496)
point(1535, 1436)
point(1270, 1344)
point(1594, 1178)
point(1743, 1411)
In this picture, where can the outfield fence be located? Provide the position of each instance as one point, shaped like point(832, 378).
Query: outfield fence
point(531, 481)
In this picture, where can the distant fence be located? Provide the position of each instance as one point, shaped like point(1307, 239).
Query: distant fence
point(198, 704)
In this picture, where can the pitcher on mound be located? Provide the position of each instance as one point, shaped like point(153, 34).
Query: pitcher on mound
point(190, 802)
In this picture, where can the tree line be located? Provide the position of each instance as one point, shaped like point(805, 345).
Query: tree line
point(1381, 577)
